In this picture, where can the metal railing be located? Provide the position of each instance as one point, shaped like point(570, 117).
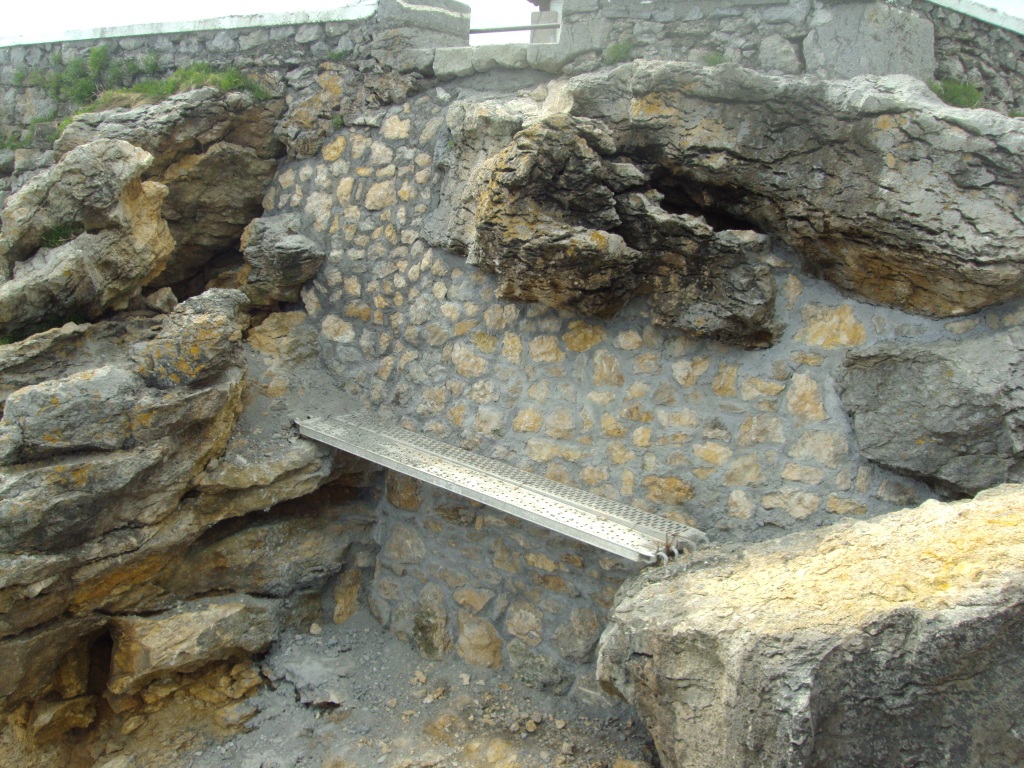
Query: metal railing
point(526, 28)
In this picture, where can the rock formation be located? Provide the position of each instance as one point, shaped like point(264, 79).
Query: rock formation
point(215, 154)
point(664, 148)
point(117, 241)
point(947, 412)
point(860, 645)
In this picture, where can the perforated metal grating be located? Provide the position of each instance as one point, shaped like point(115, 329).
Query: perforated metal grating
point(586, 517)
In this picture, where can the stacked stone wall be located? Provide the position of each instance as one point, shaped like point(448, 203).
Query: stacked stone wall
point(455, 576)
point(741, 443)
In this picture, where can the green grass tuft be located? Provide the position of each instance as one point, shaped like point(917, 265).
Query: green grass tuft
point(618, 52)
point(714, 59)
point(957, 93)
point(62, 233)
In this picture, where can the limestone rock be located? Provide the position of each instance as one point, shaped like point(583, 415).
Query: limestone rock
point(563, 218)
point(211, 197)
point(536, 668)
point(852, 646)
point(88, 189)
point(829, 168)
point(32, 659)
point(280, 259)
point(51, 719)
point(946, 412)
point(196, 341)
point(213, 151)
point(430, 624)
point(176, 126)
point(479, 642)
point(290, 549)
point(86, 411)
point(188, 637)
point(126, 243)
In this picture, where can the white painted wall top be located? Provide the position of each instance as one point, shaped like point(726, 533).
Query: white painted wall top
point(343, 10)
point(1008, 14)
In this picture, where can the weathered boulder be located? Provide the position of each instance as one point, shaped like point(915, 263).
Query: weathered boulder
point(215, 154)
point(196, 341)
point(177, 126)
point(188, 637)
point(211, 197)
point(566, 218)
point(88, 190)
point(948, 412)
point(279, 259)
point(875, 183)
point(863, 644)
point(126, 243)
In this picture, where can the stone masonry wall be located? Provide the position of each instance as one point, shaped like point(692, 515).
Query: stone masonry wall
point(741, 443)
point(455, 576)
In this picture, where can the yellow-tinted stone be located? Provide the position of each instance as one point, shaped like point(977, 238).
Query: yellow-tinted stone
point(687, 372)
point(338, 330)
point(346, 596)
point(740, 506)
point(528, 420)
point(612, 427)
point(402, 491)
point(826, 448)
point(761, 428)
point(712, 453)
point(560, 424)
point(667, 490)
point(479, 642)
point(754, 388)
point(335, 149)
point(511, 348)
point(545, 349)
point(620, 455)
point(798, 504)
point(746, 470)
point(803, 399)
point(472, 598)
point(837, 505)
point(724, 383)
point(466, 362)
point(582, 336)
point(801, 474)
point(607, 371)
point(831, 327)
point(381, 195)
point(541, 562)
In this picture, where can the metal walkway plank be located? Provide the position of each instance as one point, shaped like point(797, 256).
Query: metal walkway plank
point(586, 517)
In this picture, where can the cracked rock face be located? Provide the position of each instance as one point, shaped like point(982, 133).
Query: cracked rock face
point(564, 218)
point(663, 178)
point(215, 154)
point(124, 245)
point(859, 645)
point(946, 412)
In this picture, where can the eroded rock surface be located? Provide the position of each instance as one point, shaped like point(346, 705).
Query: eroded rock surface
point(279, 259)
point(855, 646)
point(215, 154)
point(116, 240)
point(946, 412)
point(566, 217)
point(655, 173)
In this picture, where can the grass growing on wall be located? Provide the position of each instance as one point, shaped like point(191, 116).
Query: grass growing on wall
point(956, 93)
point(99, 80)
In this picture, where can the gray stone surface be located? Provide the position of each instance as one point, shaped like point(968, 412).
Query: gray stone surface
point(280, 259)
point(188, 637)
point(855, 646)
point(870, 39)
point(726, 141)
point(946, 412)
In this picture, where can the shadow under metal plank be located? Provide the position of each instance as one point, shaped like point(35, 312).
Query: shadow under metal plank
point(609, 525)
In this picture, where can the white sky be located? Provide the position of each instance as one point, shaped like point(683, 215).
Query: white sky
point(32, 18)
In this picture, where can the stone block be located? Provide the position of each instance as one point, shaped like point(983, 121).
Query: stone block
point(852, 646)
point(871, 39)
point(448, 17)
point(188, 637)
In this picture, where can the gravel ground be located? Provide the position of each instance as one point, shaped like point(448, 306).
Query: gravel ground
point(354, 696)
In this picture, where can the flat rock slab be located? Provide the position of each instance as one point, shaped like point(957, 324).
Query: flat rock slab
point(894, 641)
